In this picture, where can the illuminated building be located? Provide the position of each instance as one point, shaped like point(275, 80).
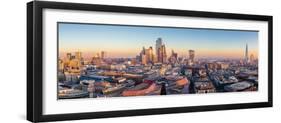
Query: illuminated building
point(162, 55)
point(163, 70)
point(143, 59)
point(74, 64)
point(133, 62)
point(149, 54)
point(68, 56)
point(158, 46)
point(146, 56)
point(246, 54)
point(78, 55)
point(142, 55)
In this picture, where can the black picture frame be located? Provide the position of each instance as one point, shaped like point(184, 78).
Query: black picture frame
point(35, 69)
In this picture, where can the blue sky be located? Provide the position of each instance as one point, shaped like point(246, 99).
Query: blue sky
point(127, 41)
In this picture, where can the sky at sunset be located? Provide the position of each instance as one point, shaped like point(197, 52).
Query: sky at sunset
point(127, 41)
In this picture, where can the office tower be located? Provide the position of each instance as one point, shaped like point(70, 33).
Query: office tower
point(246, 54)
point(149, 54)
point(154, 59)
point(141, 54)
point(157, 47)
point(143, 50)
point(158, 55)
point(175, 55)
point(164, 59)
point(143, 59)
point(191, 55)
point(162, 55)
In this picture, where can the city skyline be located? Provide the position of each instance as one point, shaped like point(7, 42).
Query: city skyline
point(126, 61)
point(91, 39)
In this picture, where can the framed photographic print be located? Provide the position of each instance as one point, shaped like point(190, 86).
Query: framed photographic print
point(95, 61)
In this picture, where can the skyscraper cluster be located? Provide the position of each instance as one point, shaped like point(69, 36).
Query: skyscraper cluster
point(161, 51)
point(98, 58)
point(152, 72)
point(146, 56)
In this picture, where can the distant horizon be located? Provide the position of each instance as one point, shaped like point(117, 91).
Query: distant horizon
point(90, 55)
point(127, 41)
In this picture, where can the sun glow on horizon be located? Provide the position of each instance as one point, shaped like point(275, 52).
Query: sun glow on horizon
point(128, 41)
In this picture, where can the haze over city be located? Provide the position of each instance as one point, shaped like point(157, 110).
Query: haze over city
point(97, 61)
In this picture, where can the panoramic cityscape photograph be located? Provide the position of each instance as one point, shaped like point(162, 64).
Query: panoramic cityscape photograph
point(106, 60)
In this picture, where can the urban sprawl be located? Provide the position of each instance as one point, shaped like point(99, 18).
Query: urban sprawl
point(152, 72)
